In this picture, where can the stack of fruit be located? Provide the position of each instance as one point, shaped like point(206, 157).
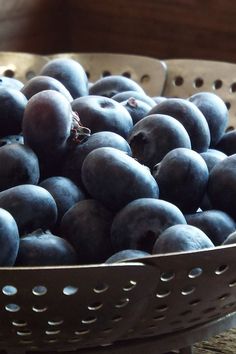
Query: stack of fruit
point(101, 172)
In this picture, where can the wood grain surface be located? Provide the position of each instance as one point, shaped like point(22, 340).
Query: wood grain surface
point(224, 343)
point(32, 26)
point(200, 29)
point(163, 29)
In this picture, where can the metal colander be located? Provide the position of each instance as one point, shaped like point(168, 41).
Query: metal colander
point(187, 77)
point(157, 303)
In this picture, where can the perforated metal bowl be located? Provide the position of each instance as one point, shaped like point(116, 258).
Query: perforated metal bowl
point(22, 66)
point(154, 304)
point(186, 77)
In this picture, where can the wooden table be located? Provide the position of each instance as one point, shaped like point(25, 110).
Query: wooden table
point(157, 28)
point(224, 343)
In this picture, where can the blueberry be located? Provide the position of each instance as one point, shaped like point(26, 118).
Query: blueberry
point(11, 82)
point(215, 112)
point(154, 136)
point(49, 129)
point(70, 73)
point(19, 166)
point(31, 206)
point(45, 249)
point(211, 157)
point(86, 225)
point(227, 143)
point(216, 224)
point(181, 238)
point(41, 83)
point(231, 239)
point(141, 96)
point(111, 85)
point(190, 116)
point(12, 103)
point(47, 123)
point(222, 186)
point(182, 177)
point(136, 108)
point(139, 223)
point(9, 239)
point(115, 179)
point(158, 99)
point(65, 193)
point(103, 114)
point(125, 255)
point(72, 165)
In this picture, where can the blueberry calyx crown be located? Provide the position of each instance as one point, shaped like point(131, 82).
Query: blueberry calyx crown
point(78, 133)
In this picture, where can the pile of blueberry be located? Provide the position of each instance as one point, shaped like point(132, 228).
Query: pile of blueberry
point(101, 172)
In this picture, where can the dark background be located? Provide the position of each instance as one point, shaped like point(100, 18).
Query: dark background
point(201, 29)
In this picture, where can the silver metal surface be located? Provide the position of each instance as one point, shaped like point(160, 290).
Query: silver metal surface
point(21, 66)
point(150, 73)
point(62, 308)
point(187, 76)
point(157, 300)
